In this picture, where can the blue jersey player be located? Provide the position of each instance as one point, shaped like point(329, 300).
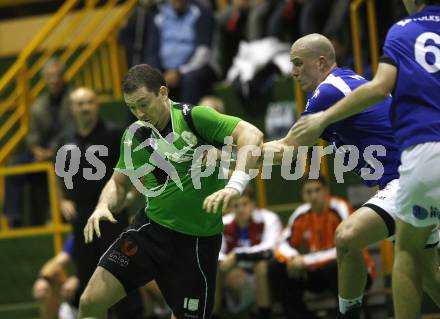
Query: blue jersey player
point(410, 68)
point(315, 69)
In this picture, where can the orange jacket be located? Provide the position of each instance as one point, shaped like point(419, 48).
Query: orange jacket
point(313, 235)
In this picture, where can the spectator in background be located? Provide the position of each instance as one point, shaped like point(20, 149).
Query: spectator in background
point(213, 102)
point(232, 28)
point(52, 288)
point(306, 258)
point(241, 20)
point(249, 238)
point(92, 140)
point(328, 18)
point(252, 20)
point(283, 21)
point(179, 44)
point(50, 115)
point(134, 35)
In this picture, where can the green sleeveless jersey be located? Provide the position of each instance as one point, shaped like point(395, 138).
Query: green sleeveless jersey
point(164, 162)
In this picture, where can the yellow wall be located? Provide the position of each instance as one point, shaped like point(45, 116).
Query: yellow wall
point(16, 34)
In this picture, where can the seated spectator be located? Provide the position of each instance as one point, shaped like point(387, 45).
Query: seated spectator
point(306, 258)
point(213, 102)
point(53, 288)
point(249, 238)
point(50, 115)
point(179, 44)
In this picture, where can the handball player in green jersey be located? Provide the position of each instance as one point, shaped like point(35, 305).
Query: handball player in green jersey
point(176, 239)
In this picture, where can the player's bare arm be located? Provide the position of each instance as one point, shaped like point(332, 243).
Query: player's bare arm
point(113, 197)
point(310, 127)
point(244, 135)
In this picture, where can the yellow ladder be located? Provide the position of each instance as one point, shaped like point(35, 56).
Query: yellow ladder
point(87, 40)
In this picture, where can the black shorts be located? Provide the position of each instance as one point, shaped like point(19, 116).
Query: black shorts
point(183, 266)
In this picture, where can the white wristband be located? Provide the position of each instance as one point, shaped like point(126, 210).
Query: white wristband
point(238, 181)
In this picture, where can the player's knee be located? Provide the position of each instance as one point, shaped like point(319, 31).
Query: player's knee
point(346, 238)
point(41, 291)
point(88, 302)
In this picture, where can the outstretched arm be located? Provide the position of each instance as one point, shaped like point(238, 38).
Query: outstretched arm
point(247, 138)
point(279, 147)
point(311, 127)
point(365, 96)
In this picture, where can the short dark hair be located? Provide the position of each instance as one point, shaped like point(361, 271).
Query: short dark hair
point(321, 179)
point(143, 75)
point(249, 193)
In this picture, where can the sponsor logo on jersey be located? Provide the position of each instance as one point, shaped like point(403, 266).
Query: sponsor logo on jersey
point(420, 212)
point(435, 212)
point(185, 109)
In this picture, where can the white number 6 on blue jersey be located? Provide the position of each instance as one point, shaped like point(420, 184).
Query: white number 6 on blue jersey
point(421, 50)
